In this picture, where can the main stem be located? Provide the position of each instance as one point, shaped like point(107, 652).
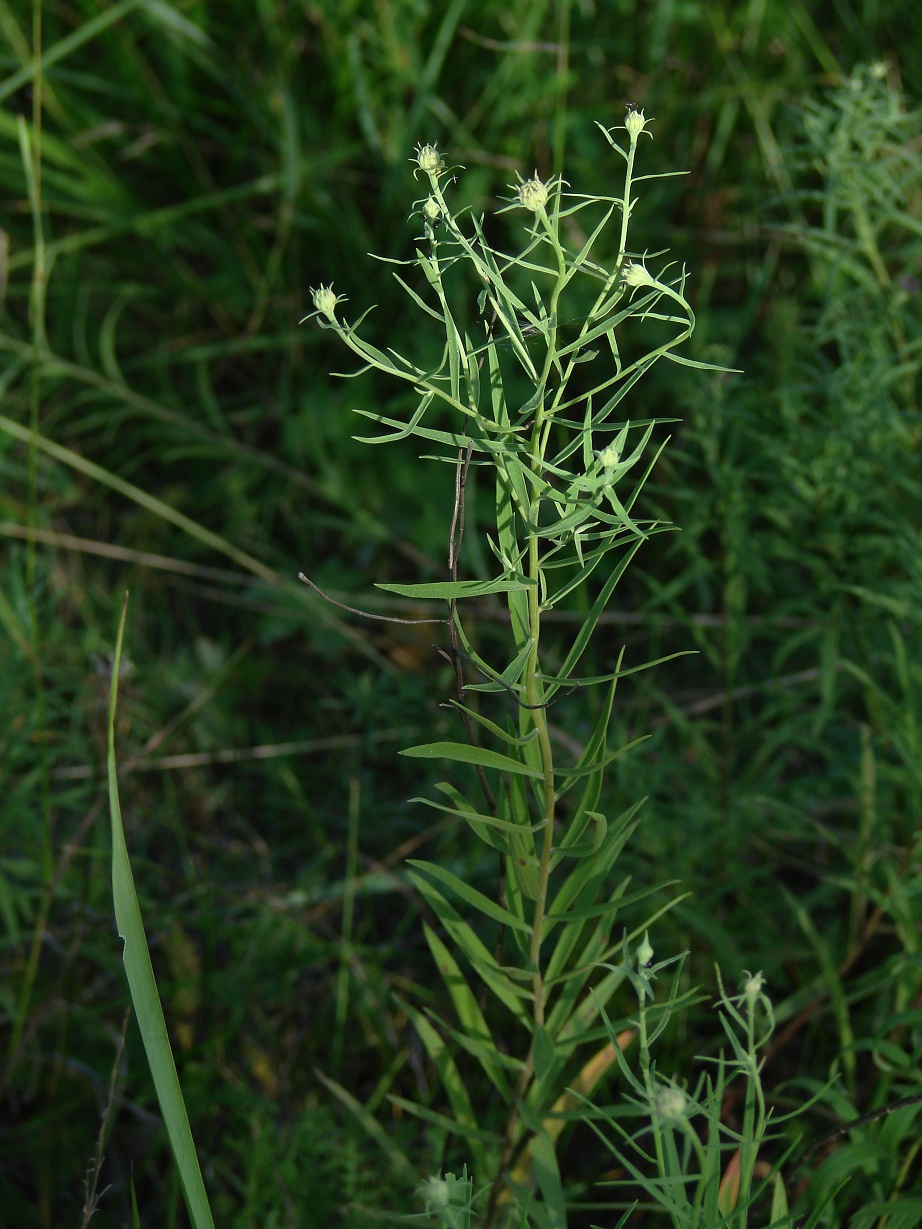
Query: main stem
point(534, 692)
point(534, 689)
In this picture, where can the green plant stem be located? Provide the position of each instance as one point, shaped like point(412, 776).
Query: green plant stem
point(535, 694)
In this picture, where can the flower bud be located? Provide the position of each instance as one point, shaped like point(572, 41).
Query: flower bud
point(752, 990)
point(644, 954)
point(635, 122)
point(532, 194)
point(429, 160)
point(436, 1192)
point(432, 210)
point(670, 1103)
point(636, 275)
point(609, 458)
point(325, 301)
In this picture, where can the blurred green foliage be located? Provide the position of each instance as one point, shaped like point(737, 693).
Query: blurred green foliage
point(167, 428)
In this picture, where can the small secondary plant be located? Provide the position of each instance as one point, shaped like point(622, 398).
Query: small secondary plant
point(528, 398)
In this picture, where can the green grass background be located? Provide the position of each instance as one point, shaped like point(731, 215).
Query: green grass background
point(167, 428)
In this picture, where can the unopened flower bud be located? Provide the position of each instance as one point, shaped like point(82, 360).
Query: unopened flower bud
point(644, 954)
point(432, 210)
point(532, 194)
point(429, 160)
point(609, 457)
point(636, 275)
point(325, 301)
point(752, 989)
point(635, 123)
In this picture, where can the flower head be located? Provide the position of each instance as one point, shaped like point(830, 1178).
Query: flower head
point(325, 301)
point(753, 986)
point(609, 457)
point(636, 275)
point(436, 1192)
point(532, 194)
point(670, 1103)
point(635, 122)
point(448, 1198)
point(429, 160)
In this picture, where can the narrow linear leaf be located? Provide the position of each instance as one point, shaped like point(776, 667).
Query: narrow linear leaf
point(372, 1128)
point(453, 589)
point(481, 960)
point(475, 899)
point(79, 463)
point(143, 986)
point(477, 1032)
point(464, 810)
point(450, 1125)
point(462, 753)
point(465, 1120)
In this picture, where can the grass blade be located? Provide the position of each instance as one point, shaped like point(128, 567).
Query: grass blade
point(143, 986)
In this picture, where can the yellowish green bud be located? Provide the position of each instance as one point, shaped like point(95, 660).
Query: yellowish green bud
point(429, 160)
point(644, 953)
point(753, 987)
point(325, 301)
point(636, 275)
point(609, 457)
point(432, 210)
point(635, 123)
point(532, 194)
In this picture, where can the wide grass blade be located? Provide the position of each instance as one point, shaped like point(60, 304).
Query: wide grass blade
point(143, 986)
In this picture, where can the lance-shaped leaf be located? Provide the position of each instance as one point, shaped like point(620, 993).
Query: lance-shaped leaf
point(453, 590)
point(143, 986)
point(462, 753)
point(483, 962)
point(371, 1127)
point(478, 1038)
point(465, 1121)
point(471, 896)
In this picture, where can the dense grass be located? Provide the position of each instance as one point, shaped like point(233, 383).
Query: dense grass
point(168, 428)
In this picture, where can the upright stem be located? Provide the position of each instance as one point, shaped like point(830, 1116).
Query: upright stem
point(534, 692)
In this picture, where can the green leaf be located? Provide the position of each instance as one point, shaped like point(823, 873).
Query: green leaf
point(372, 1128)
point(600, 827)
point(451, 590)
point(522, 863)
point(570, 776)
point(464, 810)
point(690, 362)
point(475, 899)
point(546, 1169)
point(420, 302)
point(450, 1078)
point(143, 986)
point(462, 753)
point(548, 1174)
point(544, 1052)
point(496, 730)
point(595, 613)
point(452, 1126)
point(79, 463)
point(480, 959)
point(471, 1018)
